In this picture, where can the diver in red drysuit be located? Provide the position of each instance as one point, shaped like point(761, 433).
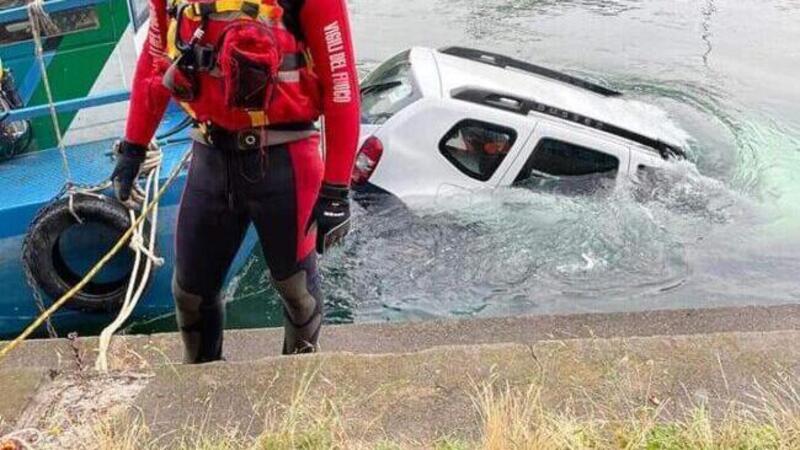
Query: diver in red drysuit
point(270, 175)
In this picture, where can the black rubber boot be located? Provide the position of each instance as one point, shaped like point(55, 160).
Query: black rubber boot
point(201, 321)
point(302, 315)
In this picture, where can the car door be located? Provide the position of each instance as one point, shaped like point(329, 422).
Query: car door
point(567, 159)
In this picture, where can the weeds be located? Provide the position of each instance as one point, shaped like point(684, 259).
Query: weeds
point(509, 417)
point(304, 424)
point(517, 419)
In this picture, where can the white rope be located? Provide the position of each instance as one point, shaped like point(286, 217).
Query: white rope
point(71, 197)
point(41, 21)
point(138, 281)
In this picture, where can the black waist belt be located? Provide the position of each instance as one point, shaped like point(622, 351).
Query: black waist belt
point(255, 138)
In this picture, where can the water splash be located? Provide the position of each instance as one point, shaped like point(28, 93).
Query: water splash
point(471, 253)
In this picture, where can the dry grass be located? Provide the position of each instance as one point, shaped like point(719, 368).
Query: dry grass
point(513, 418)
point(304, 423)
point(301, 424)
point(517, 419)
point(510, 418)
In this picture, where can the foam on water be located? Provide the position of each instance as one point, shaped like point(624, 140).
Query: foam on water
point(513, 250)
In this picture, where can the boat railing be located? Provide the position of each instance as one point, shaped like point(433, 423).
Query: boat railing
point(19, 13)
point(90, 101)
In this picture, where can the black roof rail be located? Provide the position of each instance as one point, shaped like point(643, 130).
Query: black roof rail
point(502, 61)
point(525, 106)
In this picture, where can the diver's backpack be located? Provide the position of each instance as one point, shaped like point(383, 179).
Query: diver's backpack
point(234, 63)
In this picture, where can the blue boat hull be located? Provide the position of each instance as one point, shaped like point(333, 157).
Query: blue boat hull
point(18, 309)
point(29, 182)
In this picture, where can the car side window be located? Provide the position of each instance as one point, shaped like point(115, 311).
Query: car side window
point(477, 148)
point(559, 163)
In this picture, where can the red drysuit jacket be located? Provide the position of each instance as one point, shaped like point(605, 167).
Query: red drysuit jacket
point(149, 98)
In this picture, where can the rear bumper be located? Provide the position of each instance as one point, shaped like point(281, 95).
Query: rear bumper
point(370, 196)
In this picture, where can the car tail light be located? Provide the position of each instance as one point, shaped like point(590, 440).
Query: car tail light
point(367, 160)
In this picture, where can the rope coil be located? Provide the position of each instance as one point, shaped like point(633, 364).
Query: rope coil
point(151, 168)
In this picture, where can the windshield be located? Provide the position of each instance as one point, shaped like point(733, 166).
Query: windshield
point(387, 90)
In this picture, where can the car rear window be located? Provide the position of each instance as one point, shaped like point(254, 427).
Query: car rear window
point(387, 90)
point(477, 148)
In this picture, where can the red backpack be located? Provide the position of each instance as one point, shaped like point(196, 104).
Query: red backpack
point(235, 64)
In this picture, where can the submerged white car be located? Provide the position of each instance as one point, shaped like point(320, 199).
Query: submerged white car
point(458, 118)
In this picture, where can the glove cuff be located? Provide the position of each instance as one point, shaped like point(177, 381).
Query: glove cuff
point(132, 150)
point(334, 192)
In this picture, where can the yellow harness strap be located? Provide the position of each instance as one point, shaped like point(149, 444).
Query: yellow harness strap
point(189, 110)
point(254, 9)
point(172, 32)
point(258, 118)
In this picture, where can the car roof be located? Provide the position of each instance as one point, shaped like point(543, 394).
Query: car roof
point(463, 69)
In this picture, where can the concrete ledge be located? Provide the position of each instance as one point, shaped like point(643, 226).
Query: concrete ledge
point(405, 396)
point(146, 351)
point(17, 388)
point(425, 395)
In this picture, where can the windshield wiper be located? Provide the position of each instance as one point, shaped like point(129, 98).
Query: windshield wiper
point(380, 87)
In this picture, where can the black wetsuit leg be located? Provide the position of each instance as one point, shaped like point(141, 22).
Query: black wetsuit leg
point(209, 233)
point(226, 190)
point(280, 207)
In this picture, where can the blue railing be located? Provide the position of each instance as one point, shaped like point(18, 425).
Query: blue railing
point(32, 112)
point(52, 6)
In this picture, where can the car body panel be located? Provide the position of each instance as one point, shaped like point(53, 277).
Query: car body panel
point(457, 73)
point(426, 72)
point(412, 163)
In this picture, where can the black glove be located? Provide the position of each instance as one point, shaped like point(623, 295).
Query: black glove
point(129, 162)
point(332, 216)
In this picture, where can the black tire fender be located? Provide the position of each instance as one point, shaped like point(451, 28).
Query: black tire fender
point(43, 260)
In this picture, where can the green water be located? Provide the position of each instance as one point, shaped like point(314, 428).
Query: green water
point(724, 232)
